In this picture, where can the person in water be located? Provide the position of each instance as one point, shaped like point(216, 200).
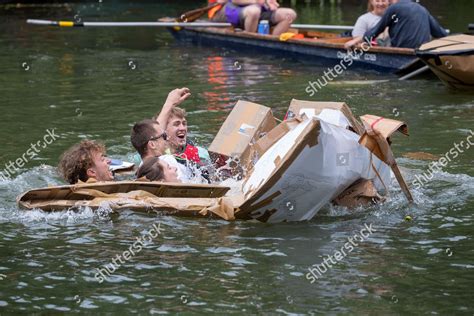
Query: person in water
point(367, 21)
point(181, 146)
point(246, 14)
point(149, 139)
point(149, 136)
point(154, 169)
point(410, 25)
point(85, 162)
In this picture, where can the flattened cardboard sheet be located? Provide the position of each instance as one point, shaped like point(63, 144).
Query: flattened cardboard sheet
point(158, 189)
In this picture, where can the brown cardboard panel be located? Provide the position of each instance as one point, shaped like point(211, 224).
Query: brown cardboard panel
point(92, 190)
point(267, 141)
point(362, 192)
point(371, 144)
point(385, 126)
point(376, 140)
point(244, 126)
point(297, 105)
point(195, 207)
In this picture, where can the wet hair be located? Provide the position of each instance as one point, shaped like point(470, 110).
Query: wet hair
point(141, 134)
point(151, 169)
point(177, 112)
point(75, 161)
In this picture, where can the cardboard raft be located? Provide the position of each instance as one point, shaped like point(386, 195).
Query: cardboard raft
point(321, 154)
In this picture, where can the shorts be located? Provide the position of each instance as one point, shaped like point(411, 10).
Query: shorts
point(234, 15)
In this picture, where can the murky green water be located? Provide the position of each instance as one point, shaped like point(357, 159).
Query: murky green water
point(95, 83)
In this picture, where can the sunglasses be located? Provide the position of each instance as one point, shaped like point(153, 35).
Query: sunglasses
point(164, 135)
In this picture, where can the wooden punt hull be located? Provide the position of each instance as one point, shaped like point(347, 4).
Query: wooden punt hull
point(325, 51)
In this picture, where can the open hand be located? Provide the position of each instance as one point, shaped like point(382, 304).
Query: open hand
point(353, 42)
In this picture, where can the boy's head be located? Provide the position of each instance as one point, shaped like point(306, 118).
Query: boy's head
point(149, 139)
point(177, 129)
point(84, 161)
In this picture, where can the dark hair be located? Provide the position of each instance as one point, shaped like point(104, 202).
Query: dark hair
point(75, 161)
point(141, 134)
point(370, 6)
point(151, 169)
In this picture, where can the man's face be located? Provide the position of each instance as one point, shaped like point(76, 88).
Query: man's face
point(177, 131)
point(100, 167)
point(158, 145)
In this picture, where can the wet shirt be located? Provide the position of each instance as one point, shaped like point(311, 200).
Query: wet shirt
point(410, 25)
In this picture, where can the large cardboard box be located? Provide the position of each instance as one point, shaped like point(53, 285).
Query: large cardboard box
point(246, 124)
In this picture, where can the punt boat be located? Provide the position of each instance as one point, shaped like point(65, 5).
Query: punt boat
point(316, 47)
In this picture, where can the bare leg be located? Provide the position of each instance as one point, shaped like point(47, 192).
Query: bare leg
point(283, 17)
point(251, 16)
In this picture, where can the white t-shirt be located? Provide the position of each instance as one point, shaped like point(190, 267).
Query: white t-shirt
point(364, 23)
point(185, 174)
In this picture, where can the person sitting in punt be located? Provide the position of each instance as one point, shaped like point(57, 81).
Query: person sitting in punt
point(367, 21)
point(85, 162)
point(154, 169)
point(409, 24)
point(246, 14)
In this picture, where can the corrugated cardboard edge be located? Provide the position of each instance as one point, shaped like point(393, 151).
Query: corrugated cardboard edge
point(308, 137)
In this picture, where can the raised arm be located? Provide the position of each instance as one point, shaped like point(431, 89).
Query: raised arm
point(175, 98)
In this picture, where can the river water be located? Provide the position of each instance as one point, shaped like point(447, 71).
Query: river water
point(95, 83)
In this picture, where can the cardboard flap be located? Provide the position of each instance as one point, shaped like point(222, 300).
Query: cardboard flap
point(246, 123)
point(385, 126)
point(362, 192)
point(267, 141)
point(378, 130)
point(297, 105)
